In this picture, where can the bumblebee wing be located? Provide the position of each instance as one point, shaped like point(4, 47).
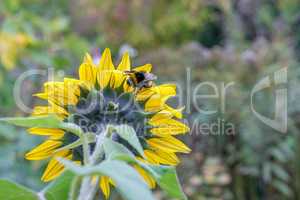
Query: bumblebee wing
point(150, 77)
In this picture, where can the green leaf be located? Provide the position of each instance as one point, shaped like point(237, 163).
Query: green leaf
point(165, 176)
point(50, 121)
point(128, 182)
point(72, 145)
point(71, 127)
point(113, 150)
point(14, 191)
point(167, 179)
point(59, 188)
point(128, 133)
point(90, 139)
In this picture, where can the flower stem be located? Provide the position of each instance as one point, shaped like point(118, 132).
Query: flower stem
point(88, 189)
point(73, 128)
point(85, 184)
point(93, 190)
point(74, 188)
point(86, 149)
point(98, 152)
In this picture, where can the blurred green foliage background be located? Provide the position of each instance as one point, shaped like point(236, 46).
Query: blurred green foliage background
point(220, 41)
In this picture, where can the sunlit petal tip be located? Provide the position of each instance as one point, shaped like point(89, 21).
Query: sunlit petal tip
point(88, 58)
point(46, 131)
point(187, 129)
point(144, 68)
point(40, 95)
point(106, 61)
point(175, 112)
point(125, 63)
point(126, 56)
point(87, 74)
point(189, 150)
point(55, 168)
point(44, 150)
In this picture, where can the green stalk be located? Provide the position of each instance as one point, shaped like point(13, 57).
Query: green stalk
point(85, 184)
point(74, 188)
point(73, 128)
point(98, 152)
point(86, 149)
point(93, 190)
point(88, 190)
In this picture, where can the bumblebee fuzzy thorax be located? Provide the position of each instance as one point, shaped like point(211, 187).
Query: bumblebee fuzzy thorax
point(140, 79)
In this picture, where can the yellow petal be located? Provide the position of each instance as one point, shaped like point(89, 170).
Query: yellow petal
point(44, 150)
point(159, 91)
point(87, 73)
point(168, 144)
point(150, 157)
point(156, 103)
point(167, 158)
point(165, 90)
point(104, 78)
point(162, 93)
point(88, 59)
point(144, 93)
point(106, 61)
point(149, 180)
point(56, 137)
point(117, 78)
point(46, 131)
point(176, 112)
point(160, 117)
point(104, 185)
point(50, 109)
point(55, 168)
point(144, 68)
point(161, 157)
point(72, 86)
point(53, 85)
point(59, 98)
point(127, 87)
point(125, 63)
point(169, 127)
point(61, 93)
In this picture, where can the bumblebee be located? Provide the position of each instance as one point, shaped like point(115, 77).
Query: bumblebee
point(140, 79)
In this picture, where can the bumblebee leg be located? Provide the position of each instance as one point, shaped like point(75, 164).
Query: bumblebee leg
point(130, 82)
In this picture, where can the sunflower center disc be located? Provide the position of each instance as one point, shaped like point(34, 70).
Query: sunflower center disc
point(97, 109)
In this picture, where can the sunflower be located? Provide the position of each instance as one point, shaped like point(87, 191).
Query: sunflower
point(101, 96)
